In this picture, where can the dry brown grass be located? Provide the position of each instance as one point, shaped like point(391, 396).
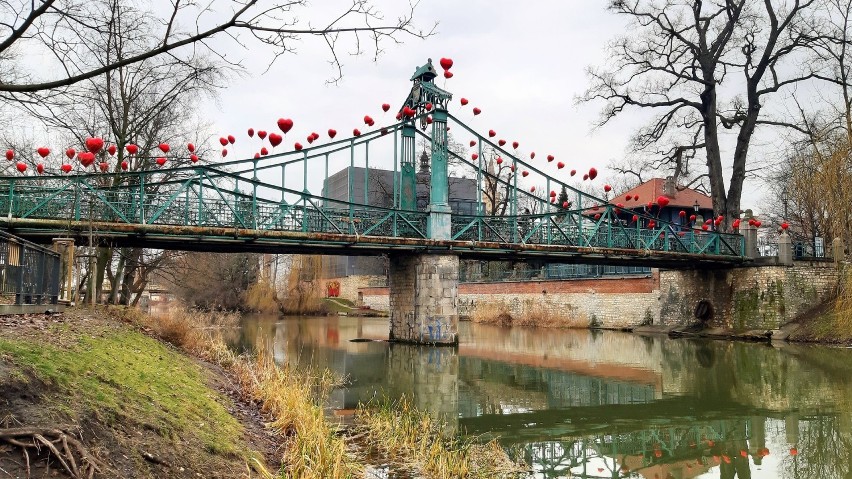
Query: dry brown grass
point(260, 297)
point(535, 313)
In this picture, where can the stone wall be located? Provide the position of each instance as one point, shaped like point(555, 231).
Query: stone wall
point(423, 298)
point(738, 299)
point(350, 286)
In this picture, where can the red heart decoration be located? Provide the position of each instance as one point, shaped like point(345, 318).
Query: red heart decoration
point(560, 165)
point(86, 158)
point(298, 146)
point(224, 152)
point(367, 119)
point(735, 224)
point(682, 214)
point(285, 124)
point(94, 144)
point(231, 139)
point(585, 176)
point(515, 145)
point(399, 116)
point(310, 138)
point(21, 166)
point(607, 188)
point(70, 152)
point(476, 111)
point(550, 158)
point(525, 173)
point(501, 142)
point(251, 132)
point(532, 190)
point(385, 107)
point(256, 156)
point(693, 217)
point(635, 218)
point(66, 168)
point(593, 173)
point(264, 151)
point(161, 161)
point(628, 197)
point(332, 133)
point(261, 134)
point(448, 74)
point(635, 197)
point(10, 155)
point(104, 166)
point(463, 101)
point(446, 63)
point(193, 158)
point(40, 168)
point(190, 147)
point(492, 133)
point(472, 143)
point(223, 141)
point(384, 131)
point(785, 226)
point(499, 160)
point(757, 224)
point(512, 168)
point(662, 201)
point(566, 204)
point(42, 152)
point(429, 120)
point(133, 149)
point(652, 224)
point(164, 147)
point(125, 165)
point(275, 139)
point(705, 227)
point(356, 132)
point(112, 150)
point(552, 193)
point(474, 156)
point(573, 172)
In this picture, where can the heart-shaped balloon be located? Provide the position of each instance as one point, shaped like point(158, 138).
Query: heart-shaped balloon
point(628, 197)
point(285, 124)
point(332, 132)
point(95, 144)
point(593, 173)
point(112, 149)
point(532, 189)
point(525, 173)
point(512, 167)
point(785, 226)
point(472, 143)
point(607, 188)
point(399, 116)
point(356, 132)
point(662, 201)
point(532, 155)
point(70, 153)
point(463, 101)
point(261, 134)
point(550, 158)
point(251, 132)
point(264, 151)
point(476, 111)
point(132, 149)
point(231, 139)
point(224, 152)
point(256, 156)
point(86, 158)
point(193, 158)
point(21, 166)
point(43, 151)
point(164, 147)
point(384, 131)
point(429, 120)
point(190, 147)
point(501, 142)
point(385, 107)
point(367, 119)
point(566, 204)
point(552, 193)
point(515, 145)
point(585, 176)
point(635, 218)
point(275, 139)
point(223, 141)
point(10, 155)
point(499, 160)
point(161, 161)
point(125, 165)
point(40, 168)
point(310, 138)
point(448, 74)
point(298, 146)
point(573, 172)
point(681, 213)
point(66, 168)
point(735, 224)
point(446, 63)
point(104, 166)
point(474, 156)
point(492, 133)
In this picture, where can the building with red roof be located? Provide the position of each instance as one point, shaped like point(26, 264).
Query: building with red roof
point(691, 201)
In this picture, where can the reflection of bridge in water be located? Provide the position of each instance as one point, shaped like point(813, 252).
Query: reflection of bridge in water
point(570, 408)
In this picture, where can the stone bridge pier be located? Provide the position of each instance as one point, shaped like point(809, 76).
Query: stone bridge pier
point(424, 298)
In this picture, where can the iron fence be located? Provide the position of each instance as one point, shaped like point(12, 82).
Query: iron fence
point(30, 273)
point(803, 248)
point(549, 272)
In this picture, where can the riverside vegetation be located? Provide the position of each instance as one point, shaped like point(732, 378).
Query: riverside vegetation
point(116, 393)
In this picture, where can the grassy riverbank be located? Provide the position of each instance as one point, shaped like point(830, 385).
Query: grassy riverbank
point(152, 397)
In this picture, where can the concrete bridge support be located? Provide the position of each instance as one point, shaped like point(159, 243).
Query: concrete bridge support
point(424, 298)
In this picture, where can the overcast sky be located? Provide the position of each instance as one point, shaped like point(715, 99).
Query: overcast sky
point(523, 63)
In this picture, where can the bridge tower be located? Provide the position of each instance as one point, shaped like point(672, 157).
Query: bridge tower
point(424, 287)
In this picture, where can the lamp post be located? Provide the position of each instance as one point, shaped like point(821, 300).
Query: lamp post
point(784, 200)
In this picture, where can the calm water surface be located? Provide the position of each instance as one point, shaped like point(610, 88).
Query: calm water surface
point(581, 404)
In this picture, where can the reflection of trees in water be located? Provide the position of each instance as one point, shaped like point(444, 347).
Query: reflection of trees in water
point(824, 448)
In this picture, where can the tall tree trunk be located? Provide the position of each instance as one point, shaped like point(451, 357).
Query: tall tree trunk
point(130, 268)
point(119, 275)
point(104, 257)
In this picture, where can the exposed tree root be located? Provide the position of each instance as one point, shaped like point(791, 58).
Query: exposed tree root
point(62, 445)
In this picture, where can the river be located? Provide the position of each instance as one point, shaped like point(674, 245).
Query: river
point(599, 404)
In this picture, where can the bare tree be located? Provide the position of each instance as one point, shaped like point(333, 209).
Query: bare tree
point(67, 31)
point(679, 55)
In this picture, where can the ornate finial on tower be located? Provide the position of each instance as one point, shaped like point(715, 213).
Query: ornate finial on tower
point(424, 162)
point(425, 93)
